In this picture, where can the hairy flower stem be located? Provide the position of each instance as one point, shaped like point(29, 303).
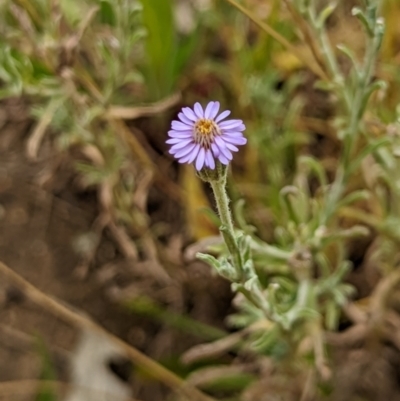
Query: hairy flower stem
point(222, 200)
point(225, 215)
point(246, 281)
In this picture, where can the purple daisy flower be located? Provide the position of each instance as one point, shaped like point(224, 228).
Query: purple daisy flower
point(201, 136)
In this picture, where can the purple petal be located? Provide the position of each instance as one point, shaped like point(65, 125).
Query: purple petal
point(200, 159)
point(235, 140)
point(208, 110)
point(223, 159)
point(233, 130)
point(214, 110)
point(179, 126)
point(173, 151)
point(174, 141)
point(220, 142)
point(184, 119)
point(232, 147)
point(226, 153)
point(223, 115)
point(241, 127)
point(210, 162)
point(182, 144)
point(185, 158)
point(198, 110)
point(180, 134)
point(222, 148)
point(230, 124)
point(215, 149)
point(188, 112)
point(190, 156)
point(194, 153)
point(232, 133)
point(185, 151)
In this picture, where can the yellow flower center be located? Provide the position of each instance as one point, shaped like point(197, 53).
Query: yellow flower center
point(204, 132)
point(204, 127)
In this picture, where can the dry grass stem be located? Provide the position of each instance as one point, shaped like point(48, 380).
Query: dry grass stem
point(131, 113)
point(37, 135)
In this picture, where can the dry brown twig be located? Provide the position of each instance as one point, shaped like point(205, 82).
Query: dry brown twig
point(353, 337)
point(153, 368)
point(211, 350)
point(355, 314)
point(219, 347)
point(35, 138)
point(131, 113)
point(380, 297)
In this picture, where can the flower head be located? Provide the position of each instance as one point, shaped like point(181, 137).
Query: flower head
point(201, 136)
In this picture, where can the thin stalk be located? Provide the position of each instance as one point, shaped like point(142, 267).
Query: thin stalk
point(225, 215)
point(222, 200)
point(245, 273)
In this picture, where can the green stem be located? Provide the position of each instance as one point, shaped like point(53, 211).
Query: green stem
point(227, 229)
point(222, 200)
